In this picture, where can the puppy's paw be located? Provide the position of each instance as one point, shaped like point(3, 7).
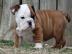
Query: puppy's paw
point(38, 45)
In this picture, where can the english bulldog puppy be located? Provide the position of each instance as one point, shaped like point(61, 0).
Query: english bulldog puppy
point(24, 17)
point(48, 24)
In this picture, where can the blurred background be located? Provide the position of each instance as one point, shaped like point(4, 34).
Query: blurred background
point(7, 19)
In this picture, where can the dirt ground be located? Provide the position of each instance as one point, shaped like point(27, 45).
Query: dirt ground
point(45, 50)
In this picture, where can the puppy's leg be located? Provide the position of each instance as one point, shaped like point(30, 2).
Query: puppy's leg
point(60, 41)
point(38, 38)
point(57, 44)
point(20, 40)
point(16, 43)
point(63, 43)
point(20, 37)
point(58, 34)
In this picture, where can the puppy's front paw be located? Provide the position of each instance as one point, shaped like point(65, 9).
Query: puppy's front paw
point(38, 45)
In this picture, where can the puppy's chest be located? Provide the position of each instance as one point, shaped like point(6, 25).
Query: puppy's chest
point(26, 33)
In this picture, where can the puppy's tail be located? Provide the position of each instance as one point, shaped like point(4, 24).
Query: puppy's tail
point(68, 17)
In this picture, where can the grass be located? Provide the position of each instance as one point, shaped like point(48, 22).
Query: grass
point(26, 48)
point(6, 43)
point(10, 43)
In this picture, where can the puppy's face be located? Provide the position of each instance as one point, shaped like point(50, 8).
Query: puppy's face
point(25, 24)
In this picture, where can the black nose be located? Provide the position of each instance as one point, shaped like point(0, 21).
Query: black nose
point(22, 18)
point(30, 23)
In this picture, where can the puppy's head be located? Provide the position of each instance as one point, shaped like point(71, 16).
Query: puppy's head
point(23, 10)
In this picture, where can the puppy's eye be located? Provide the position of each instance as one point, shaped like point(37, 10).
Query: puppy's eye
point(22, 18)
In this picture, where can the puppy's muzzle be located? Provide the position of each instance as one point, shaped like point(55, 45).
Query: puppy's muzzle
point(30, 23)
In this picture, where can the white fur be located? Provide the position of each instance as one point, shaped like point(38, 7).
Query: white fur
point(38, 45)
point(23, 11)
point(24, 24)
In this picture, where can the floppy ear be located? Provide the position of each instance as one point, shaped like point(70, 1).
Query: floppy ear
point(15, 8)
point(32, 10)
